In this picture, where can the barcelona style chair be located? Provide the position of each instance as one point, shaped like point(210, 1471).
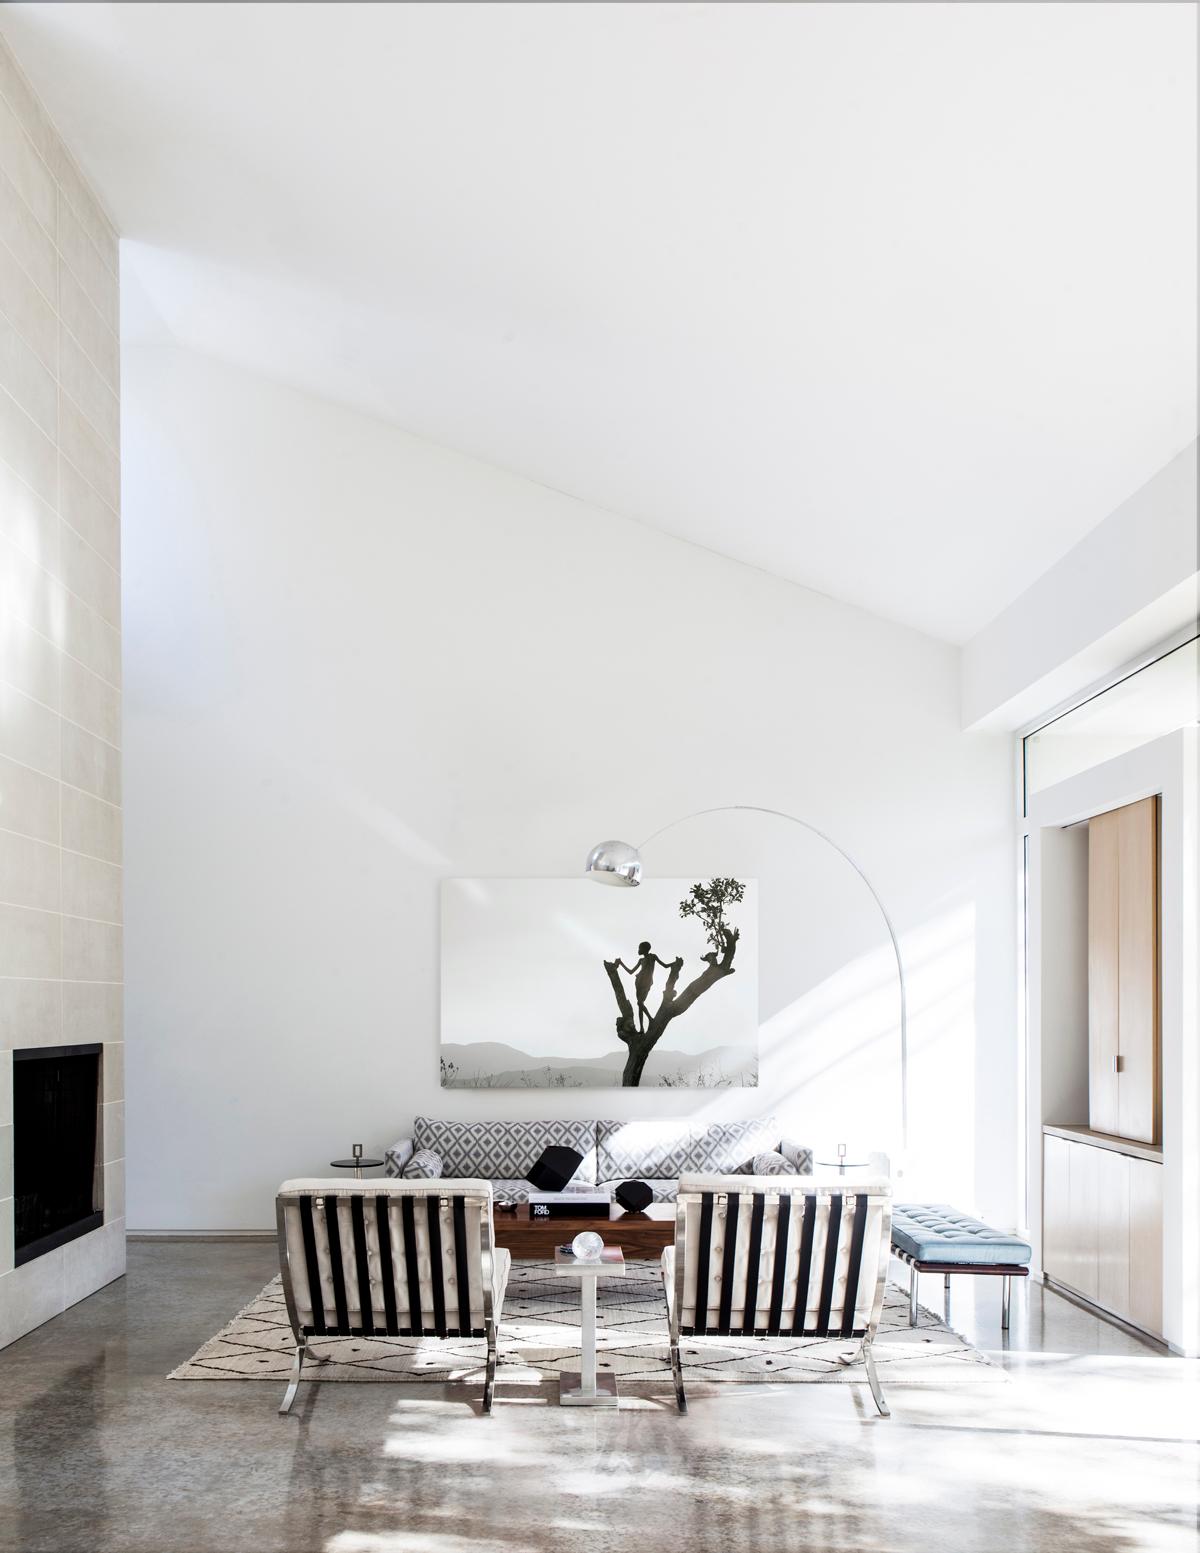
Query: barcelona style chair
point(386, 1259)
point(778, 1256)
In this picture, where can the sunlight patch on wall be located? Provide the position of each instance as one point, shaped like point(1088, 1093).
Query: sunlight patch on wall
point(833, 1056)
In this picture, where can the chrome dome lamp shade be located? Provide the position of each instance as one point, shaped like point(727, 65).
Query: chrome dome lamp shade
point(614, 862)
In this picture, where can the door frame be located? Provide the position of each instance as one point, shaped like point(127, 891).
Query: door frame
point(1170, 768)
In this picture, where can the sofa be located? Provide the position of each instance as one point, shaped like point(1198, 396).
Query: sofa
point(657, 1152)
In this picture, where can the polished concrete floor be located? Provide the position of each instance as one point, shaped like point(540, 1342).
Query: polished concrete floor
point(1093, 1446)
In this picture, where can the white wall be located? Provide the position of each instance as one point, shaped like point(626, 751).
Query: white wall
point(358, 663)
point(1125, 587)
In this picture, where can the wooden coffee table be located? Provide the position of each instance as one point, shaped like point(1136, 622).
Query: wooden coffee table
point(641, 1236)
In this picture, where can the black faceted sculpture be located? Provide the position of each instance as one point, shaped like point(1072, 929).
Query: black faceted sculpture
point(555, 1168)
point(634, 1195)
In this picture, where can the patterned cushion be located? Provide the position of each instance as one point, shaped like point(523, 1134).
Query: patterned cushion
point(798, 1156)
point(424, 1165)
point(506, 1194)
point(504, 1150)
point(771, 1163)
point(395, 1158)
point(933, 1232)
point(668, 1148)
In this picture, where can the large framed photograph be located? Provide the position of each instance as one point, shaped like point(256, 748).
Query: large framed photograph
point(555, 984)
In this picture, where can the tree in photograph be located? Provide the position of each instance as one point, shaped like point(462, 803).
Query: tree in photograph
point(641, 1030)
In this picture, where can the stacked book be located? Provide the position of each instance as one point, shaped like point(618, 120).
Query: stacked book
point(592, 1203)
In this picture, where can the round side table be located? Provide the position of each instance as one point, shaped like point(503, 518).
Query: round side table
point(357, 1165)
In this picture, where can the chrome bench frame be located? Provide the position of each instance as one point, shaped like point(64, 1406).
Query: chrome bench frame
point(1006, 1270)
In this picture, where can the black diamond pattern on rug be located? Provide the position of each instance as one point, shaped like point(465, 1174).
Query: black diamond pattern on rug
point(539, 1335)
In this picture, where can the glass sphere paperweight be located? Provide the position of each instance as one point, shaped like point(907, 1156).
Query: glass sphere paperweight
point(587, 1245)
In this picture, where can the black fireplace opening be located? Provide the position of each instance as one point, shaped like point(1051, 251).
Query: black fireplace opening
point(56, 1162)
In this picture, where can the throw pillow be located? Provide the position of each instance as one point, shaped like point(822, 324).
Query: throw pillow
point(771, 1163)
point(398, 1156)
point(423, 1166)
point(798, 1156)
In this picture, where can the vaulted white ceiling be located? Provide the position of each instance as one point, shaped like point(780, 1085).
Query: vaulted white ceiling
point(896, 301)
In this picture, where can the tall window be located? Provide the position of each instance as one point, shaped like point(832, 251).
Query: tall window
point(1152, 701)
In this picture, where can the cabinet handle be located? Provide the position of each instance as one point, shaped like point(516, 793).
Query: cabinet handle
point(1118, 1064)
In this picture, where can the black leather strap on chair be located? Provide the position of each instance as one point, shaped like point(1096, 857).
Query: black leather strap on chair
point(807, 1235)
point(316, 1295)
point(703, 1246)
point(758, 1206)
point(833, 1225)
point(412, 1267)
point(336, 1272)
point(460, 1266)
point(437, 1281)
point(725, 1314)
point(387, 1267)
point(857, 1233)
point(783, 1219)
point(362, 1267)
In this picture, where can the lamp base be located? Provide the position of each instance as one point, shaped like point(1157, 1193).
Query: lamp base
point(572, 1394)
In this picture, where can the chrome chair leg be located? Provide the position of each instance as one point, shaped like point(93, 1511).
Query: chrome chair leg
point(912, 1295)
point(677, 1376)
point(293, 1380)
point(489, 1384)
point(873, 1380)
point(1006, 1302)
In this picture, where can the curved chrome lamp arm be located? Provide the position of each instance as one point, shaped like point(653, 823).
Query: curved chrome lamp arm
point(754, 808)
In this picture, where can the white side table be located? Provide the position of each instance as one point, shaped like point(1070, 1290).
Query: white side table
point(584, 1388)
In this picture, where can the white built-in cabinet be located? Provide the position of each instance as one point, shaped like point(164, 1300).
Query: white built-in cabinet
point(1102, 1223)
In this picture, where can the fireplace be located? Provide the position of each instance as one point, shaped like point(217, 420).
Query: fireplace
point(57, 1173)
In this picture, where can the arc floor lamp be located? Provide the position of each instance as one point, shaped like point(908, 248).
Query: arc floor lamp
point(617, 863)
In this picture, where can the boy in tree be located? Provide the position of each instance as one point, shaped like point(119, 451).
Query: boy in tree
point(643, 979)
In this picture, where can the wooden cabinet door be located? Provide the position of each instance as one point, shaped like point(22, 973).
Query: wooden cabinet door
point(1145, 1244)
point(1137, 979)
point(1083, 1207)
point(1102, 1228)
point(1056, 1209)
point(1103, 972)
point(1112, 1235)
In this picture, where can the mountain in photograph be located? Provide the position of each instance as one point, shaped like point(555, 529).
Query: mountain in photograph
point(495, 1065)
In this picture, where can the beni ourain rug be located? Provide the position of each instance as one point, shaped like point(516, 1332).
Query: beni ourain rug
point(539, 1335)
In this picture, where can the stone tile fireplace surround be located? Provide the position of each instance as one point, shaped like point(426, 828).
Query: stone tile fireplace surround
point(60, 672)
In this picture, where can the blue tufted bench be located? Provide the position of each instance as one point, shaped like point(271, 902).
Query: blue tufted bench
point(934, 1238)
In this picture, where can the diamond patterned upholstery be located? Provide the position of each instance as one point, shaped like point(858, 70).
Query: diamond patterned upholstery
point(424, 1165)
point(627, 1150)
point(656, 1152)
point(504, 1151)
